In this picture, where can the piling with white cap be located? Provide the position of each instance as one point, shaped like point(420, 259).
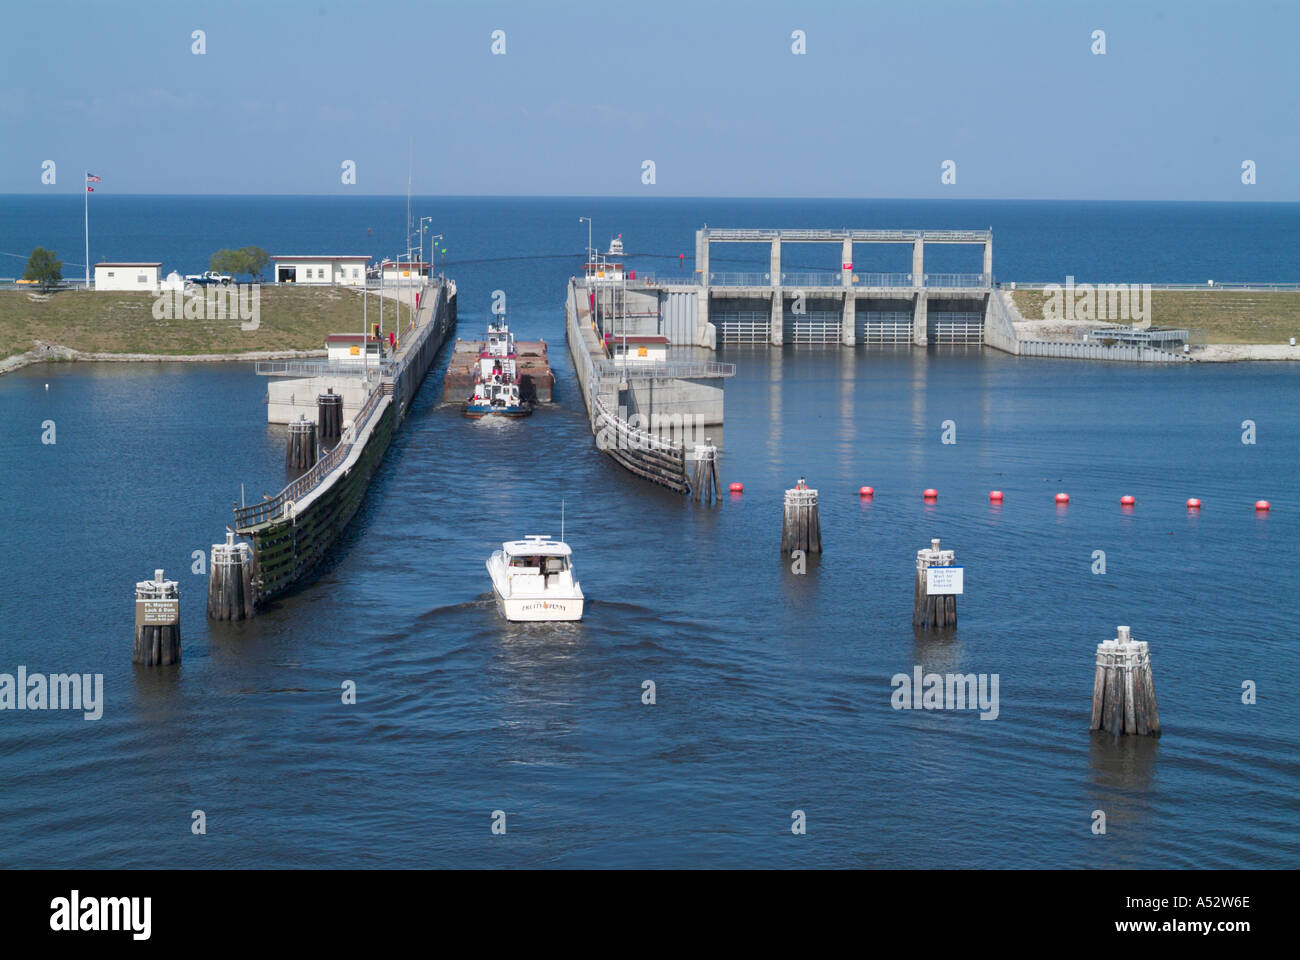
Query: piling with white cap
point(932, 610)
point(706, 472)
point(801, 525)
point(157, 622)
point(230, 580)
point(329, 417)
point(1123, 689)
point(300, 451)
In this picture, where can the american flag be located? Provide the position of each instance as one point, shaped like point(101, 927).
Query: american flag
point(91, 178)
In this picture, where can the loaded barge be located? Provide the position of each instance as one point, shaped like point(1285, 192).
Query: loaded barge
point(291, 533)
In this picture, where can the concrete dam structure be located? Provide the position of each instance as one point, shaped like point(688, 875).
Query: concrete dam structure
point(842, 306)
point(849, 307)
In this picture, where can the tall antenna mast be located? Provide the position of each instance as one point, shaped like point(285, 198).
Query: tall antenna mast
point(561, 521)
point(410, 164)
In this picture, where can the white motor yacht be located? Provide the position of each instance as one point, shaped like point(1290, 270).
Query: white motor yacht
point(533, 580)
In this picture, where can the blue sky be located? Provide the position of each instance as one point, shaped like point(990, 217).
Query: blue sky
point(710, 91)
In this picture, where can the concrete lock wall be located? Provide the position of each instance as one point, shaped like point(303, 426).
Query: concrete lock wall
point(286, 399)
point(672, 399)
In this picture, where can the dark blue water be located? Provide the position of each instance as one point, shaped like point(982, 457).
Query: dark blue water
point(773, 689)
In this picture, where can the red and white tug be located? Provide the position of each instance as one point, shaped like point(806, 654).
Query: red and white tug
point(496, 377)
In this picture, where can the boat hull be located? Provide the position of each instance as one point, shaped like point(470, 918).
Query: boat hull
point(539, 609)
point(477, 412)
point(534, 608)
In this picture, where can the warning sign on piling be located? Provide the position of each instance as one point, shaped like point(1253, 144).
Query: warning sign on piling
point(157, 613)
point(943, 580)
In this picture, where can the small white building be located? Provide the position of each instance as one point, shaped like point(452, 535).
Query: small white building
point(127, 276)
point(349, 271)
point(403, 271)
point(638, 349)
point(343, 347)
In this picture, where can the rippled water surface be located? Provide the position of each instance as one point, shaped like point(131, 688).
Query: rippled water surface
point(773, 689)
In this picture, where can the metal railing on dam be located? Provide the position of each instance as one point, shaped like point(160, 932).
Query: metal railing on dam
point(1229, 285)
point(274, 508)
point(670, 369)
point(835, 279)
point(757, 235)
point(323, 368)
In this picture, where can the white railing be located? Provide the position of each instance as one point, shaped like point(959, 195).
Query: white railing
point(956, 331)
point(743, 234)
point(886, 331)
point(942, 281)
point(814, 329)
point(742, 328)
point(322, 368)
point(679, 369)
point(1246, 286)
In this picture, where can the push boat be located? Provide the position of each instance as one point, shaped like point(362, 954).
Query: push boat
point(533, 580)
point(496, 378)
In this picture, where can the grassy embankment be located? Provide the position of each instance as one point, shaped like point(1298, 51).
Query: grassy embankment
point(292, 318)
point(1226, 316)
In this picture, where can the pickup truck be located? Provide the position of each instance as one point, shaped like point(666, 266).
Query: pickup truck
point(208, 276)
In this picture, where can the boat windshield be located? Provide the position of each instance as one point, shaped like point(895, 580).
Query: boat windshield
point(545, 564)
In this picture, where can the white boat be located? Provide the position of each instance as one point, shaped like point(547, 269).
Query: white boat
point(533, 580)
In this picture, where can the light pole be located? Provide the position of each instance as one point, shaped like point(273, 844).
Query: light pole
point(433, 251)
point(591, 276)
point(587, 220)
point(423, 221)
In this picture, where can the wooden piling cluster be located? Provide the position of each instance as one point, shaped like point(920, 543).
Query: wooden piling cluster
point(329, 417)
point(801, 526)
point(932, 611)
point(230, 580)
point(157, 622)
point(706, 472)
point(300, 452)
point(1123, 689)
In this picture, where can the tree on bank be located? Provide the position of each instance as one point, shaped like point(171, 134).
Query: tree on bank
point(44, 267)
point(249, 260)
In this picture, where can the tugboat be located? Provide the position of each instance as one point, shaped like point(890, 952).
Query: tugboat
point(533, 580)
point(496, 378)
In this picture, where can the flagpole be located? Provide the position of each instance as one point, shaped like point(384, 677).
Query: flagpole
point(85, 201)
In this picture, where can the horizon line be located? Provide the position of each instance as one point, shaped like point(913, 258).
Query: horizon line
point(560, 196)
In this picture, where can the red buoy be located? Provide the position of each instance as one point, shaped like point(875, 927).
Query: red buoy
point(995, 496)
point(867, 492)
point(1261, 505)
point(930, 493)
point(737, 488)
point(1127, 500)
point(1193, 503)
point(1062, 498)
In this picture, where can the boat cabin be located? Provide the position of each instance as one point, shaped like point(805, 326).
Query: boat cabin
point(536, 563)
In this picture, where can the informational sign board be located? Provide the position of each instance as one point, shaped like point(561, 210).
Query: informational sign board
point(943, 580)
point(157, 613)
